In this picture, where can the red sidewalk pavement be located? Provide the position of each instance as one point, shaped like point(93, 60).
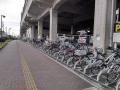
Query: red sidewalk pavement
point(11, 77)
point(49, 75)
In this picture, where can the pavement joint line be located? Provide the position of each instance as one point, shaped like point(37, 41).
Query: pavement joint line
point(30, 83)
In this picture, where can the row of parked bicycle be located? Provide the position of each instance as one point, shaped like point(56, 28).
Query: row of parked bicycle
point(81, 57)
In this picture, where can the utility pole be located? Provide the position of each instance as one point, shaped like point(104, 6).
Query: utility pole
point(1, 28)
point(6, 31)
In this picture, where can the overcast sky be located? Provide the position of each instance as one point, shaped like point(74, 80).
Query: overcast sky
point(12, 10)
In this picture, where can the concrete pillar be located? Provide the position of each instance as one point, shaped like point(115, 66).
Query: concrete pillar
point(72, 29)
point(111, 20)
point(104, 23)
point(53, 25)
point(40, 29)
point(32, 32)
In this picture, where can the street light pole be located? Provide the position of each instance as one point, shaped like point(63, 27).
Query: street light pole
point(1, 24)
point(1, 27)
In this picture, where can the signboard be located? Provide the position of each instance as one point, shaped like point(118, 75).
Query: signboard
point(117, 27)
point(116, 37)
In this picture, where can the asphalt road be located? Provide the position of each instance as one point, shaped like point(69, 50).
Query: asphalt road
point(23, 67)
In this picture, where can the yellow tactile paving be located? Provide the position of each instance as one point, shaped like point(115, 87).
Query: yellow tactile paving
point(30, 83)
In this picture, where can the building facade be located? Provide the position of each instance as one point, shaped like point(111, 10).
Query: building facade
point(52, 17)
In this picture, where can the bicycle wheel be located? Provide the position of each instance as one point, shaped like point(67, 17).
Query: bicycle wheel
point(118, 85)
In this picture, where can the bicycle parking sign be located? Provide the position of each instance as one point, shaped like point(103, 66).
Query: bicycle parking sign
point(117, 27)
point(116, 34)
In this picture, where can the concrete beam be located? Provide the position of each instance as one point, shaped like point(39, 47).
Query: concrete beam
point(45, 13)
point(43, 2)
point(25, 11)
point(58, 3)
